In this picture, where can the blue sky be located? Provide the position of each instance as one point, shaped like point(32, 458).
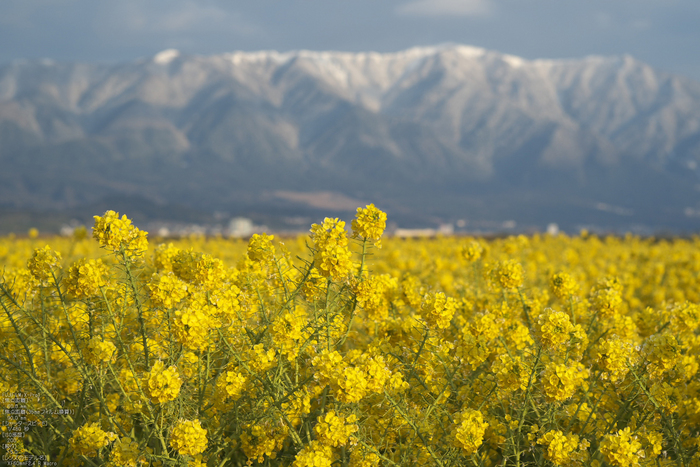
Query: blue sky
point(663, 33)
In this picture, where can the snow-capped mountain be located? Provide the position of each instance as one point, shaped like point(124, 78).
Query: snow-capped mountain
point(454, 131)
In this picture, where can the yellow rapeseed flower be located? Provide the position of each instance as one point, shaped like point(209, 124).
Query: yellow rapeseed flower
point(509, 274)
point(331, 255)
point(334, 430)
point(369, 223)
point(166, 290)
point(189, 438)
point(469, 430)
point(119, 235)
point(315, 454)
point(563, 285)
point(100, 351)
point(162, 384)
point(560, 447)
point(621, 449)
point(561, 381)
point(437, 309)
point(260, 247)
point(472, 251)
point(85, 277)
point(90, 438)
point(43, 262)
point(126, 453)
point(555, 328)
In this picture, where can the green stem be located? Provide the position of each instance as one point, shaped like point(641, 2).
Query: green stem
point(137, 301)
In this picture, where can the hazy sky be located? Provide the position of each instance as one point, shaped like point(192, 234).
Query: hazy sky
point(664, 33)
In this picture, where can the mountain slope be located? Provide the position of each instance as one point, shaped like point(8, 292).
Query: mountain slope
point(444, 132)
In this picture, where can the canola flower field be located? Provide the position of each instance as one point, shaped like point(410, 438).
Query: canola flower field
point(345, 349)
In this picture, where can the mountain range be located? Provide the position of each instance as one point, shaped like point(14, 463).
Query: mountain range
point(429, 134)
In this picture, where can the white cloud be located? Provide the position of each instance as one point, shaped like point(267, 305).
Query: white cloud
point(446, 8)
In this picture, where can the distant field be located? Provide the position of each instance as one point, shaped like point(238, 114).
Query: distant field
point(347, 347)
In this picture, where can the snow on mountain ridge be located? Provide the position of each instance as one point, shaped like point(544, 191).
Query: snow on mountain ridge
point(465, 93)
point(361, 77)
point(166, 56)
point(426, 117)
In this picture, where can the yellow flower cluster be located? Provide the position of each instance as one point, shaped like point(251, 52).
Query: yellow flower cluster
point(562, 380)
point(85, 278)
point(685, 317)
point(192, 325)
point(621, 449)
point(320, 352)
point(469, 430)
point(119, 235)
point(164, 256)
point(563, 286)
point(374, 295)
point(662, 352)
point(334, 430)
point(126, 453)
point(189, 438)
point(562, 449)
point(260, 359)
point(369, 223)
point(162, 384)
point(437, 309)
point(232, 384)
point(472, 251)
point(555, 328)
point(356, 376)
point(264, 439)
point(606, 297)
point(44, 262)
point(260, 247)
point(166, 290)
point(315, 454)
point(290, 331)
point(198, 268)
point(614, 356)
point(331, 255)
point(298, 407)
point(90, 438)
point(188, 364)
point(100, 352)
point(509, 274)
point(315, 284)
point(360, 457)
point(511, 373)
